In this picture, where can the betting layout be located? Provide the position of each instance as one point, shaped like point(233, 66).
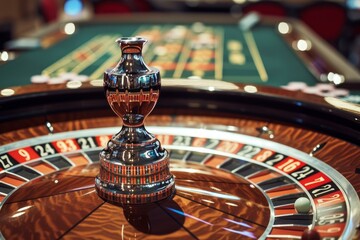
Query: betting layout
point(282, 173)
point(179, 51)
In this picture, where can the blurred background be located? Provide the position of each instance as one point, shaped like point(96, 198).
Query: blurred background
point(337, 21)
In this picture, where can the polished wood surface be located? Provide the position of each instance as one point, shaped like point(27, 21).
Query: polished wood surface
point(43, 102)
point(339, 154)
point(65, 204)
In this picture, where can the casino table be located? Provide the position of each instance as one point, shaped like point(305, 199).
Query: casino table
point(242, 150)
point(209, 47)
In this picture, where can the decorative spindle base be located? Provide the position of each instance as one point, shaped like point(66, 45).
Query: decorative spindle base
point(158, 191)
point(134, 169)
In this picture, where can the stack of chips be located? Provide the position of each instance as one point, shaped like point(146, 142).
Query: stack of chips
point(59, 79)
point(321, 89)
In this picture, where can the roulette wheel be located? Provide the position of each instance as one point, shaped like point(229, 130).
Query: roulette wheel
point(242, 157)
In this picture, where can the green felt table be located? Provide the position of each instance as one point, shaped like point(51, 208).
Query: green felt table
point(260, 55)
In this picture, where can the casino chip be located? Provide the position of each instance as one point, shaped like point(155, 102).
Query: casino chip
point(40, 79)
point(249, 21)
point(81, 78)
point(56, 80)
point(59, 79)
point(295, 86)
point(321, 89)
point(67, 76)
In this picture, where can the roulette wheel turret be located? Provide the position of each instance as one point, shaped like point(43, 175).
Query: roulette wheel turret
point(239, 166)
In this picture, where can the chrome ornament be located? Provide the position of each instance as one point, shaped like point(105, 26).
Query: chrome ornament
point(134, 168)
